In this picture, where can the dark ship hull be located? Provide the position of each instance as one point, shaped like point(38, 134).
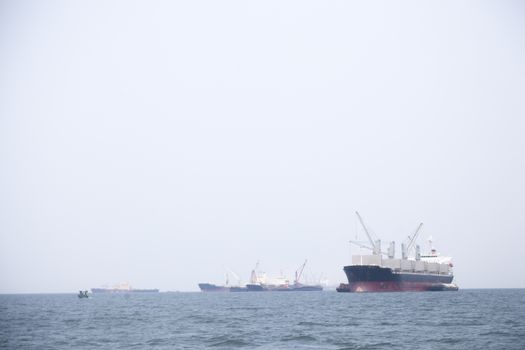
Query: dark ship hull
point(208, 287)
point(307, 288)
point(292, 288)
point(368, 278)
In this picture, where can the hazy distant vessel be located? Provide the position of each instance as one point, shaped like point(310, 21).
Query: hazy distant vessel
point(210, 287)
point(122, 288)
point(374, 273)
point(260, 283)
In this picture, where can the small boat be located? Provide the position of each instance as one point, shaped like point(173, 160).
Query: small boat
point(83, 294)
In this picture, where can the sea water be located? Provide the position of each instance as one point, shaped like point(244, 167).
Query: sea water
point(468, 319)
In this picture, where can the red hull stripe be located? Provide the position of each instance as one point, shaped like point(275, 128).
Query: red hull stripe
point(389, 286)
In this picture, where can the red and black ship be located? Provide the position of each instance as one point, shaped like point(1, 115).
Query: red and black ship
point(369, 278)
point(382, 272)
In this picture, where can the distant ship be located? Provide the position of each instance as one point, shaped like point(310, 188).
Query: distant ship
point(375, 273)
point(122, 288)
point(210, 287)
point(259, 282)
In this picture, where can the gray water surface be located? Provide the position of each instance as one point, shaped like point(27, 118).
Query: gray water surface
point(468, 319)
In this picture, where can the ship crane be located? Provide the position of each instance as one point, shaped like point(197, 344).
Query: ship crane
point(361, 245)
point(299, 272)
point(389, 253)
point(376, 246)
point(406, 248)
point(256, 276)
point(234, 275)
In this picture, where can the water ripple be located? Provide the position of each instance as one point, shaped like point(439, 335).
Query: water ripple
point(468, 319)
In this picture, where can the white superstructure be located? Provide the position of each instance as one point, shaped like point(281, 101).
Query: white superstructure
point(411, 259)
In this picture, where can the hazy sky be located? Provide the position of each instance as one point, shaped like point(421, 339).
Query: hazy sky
point(157, 142)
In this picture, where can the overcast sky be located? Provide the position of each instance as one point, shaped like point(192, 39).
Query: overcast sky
point(158, 142)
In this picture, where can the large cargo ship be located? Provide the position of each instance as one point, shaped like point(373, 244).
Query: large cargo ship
point(382, 272)
point(122, 288)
